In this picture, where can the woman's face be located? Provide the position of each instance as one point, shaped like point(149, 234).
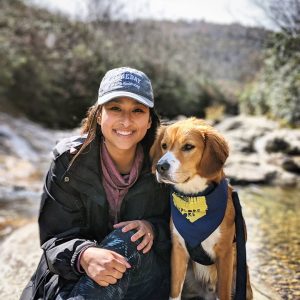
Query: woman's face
point(124, 123)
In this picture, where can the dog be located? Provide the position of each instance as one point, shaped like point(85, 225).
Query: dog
point(189, 155)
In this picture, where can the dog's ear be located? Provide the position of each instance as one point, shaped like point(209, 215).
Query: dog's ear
point(214, 155)
point(155, 151)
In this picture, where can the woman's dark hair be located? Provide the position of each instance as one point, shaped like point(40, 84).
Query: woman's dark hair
point(91, 127)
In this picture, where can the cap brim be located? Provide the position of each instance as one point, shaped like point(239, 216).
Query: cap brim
point(117, 94)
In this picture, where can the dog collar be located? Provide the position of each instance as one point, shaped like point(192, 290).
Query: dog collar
point(197, 216)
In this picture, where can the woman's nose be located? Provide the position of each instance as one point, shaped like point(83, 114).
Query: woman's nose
point(126, 120)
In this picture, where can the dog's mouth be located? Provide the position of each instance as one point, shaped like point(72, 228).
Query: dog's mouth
point(169, 180)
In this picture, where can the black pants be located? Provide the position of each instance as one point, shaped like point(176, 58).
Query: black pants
point(147, 279)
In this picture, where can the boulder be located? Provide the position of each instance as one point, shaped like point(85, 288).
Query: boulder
point(20, 253)
point(261, 152)
point(241, 131)
point(285, 141)
point(244, 169)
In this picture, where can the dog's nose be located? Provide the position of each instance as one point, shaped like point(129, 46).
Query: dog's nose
point(162, 167)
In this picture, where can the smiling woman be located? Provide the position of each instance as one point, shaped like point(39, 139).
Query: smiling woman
point(104, 220)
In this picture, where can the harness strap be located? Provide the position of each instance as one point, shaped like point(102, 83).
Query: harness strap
point(241, 265)
point(199, 255)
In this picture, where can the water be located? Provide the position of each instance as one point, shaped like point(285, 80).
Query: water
point(272, 218)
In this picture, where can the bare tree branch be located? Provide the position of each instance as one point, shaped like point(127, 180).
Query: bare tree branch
point(104, 10)
point(285, 14)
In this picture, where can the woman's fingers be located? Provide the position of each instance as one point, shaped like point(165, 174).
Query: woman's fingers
point(102, 283)
point(120, 262)
point(140, 233)
point(112, 273)
point(108, 276)
point(144, 230)
point(148, 247)
point(106, 280)
point(145, 242)
point(121, 224)
point(127, 226)
point(104, 266)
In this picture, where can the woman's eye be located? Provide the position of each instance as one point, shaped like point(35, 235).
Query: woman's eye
point(138, 110)
point(188, 147)
point(164, 146)
point(115, 108)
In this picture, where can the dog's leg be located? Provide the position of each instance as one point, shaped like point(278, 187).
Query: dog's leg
point(179, 263)
point(249, 294)
point(225, 274)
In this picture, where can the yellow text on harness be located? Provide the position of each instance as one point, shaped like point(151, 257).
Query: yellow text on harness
point(193, 208)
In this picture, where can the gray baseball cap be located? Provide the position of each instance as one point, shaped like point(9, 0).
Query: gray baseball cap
point(126, 82)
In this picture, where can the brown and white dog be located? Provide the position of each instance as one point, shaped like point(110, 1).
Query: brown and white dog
point(190, 156)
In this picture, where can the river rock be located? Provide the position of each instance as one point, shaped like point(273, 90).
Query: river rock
point(292, 164)
point(261, 152)
point(20, 253)
point(241, 131)
point(285, 141)
point(244, 169)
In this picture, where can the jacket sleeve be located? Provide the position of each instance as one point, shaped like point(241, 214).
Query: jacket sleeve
point(63, 231)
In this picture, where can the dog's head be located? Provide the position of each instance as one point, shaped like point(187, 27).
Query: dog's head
point(188, 148)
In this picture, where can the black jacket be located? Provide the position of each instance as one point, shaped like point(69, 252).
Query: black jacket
point(74, 214)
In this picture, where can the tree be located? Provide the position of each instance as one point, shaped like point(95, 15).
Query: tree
point(276, 91)
point(284, 14)
point(104, 10)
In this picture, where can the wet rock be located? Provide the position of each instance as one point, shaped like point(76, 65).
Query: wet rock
point(291, 164)
point(19, 257)
point(243, 169)
point(286, 141)
point(286, 179)
point(261, 152)
point(255, 126)
point(277, 145)
point(29, 141)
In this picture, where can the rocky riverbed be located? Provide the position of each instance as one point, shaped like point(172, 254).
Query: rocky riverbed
point(264, 161)
point(261, 152)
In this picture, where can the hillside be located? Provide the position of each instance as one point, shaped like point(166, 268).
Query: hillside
point(51, 66)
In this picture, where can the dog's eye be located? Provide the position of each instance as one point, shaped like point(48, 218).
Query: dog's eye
point(188, 147)
point(164, 146)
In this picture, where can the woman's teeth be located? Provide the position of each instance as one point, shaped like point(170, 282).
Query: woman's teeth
point(121, 132)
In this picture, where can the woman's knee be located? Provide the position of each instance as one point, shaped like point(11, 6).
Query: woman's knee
point(118, 237)
point(120, 242)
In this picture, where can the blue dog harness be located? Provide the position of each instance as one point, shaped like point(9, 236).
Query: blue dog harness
point(197, 216)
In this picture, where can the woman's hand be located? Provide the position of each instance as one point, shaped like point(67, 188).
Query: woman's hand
point(144, 229)
point(103, 266)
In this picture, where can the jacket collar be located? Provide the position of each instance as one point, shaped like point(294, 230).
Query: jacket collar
point(86, 168)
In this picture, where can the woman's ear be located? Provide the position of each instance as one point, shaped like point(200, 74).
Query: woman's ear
point(155, 151)
point(149, 123)
point(214, 155)
point(99, 119)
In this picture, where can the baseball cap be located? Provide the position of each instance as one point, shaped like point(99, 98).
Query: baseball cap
point(126, 82)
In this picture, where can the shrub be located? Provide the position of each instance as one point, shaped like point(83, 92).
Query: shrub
point(276, 90)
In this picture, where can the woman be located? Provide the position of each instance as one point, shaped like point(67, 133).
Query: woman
point(103, 219)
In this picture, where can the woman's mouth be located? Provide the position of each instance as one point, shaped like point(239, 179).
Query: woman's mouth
point(124, 132)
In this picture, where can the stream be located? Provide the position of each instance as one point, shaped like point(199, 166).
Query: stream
point(272, 218)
